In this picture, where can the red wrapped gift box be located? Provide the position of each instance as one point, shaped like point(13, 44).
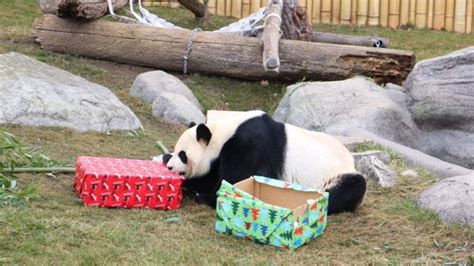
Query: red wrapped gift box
point(111, 182)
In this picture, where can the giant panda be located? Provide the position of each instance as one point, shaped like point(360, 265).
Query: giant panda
point(254, 144)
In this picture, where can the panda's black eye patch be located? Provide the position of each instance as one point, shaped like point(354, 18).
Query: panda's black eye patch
point(182, 155)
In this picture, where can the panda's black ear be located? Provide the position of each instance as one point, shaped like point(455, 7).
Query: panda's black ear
point(192, 124)
point(203, 134)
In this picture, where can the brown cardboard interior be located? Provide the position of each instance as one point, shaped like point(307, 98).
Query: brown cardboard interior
point(282, 197)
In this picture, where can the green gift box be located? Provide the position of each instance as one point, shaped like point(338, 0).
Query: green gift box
point(271, 211)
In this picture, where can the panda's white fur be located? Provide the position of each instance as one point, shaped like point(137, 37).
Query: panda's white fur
point(311, 159)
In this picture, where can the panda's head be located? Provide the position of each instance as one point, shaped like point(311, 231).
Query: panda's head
point(191, 154)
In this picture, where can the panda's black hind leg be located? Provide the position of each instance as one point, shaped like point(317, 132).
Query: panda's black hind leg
point(346, 192)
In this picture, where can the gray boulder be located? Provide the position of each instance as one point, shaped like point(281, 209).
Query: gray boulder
point(149, 85)
point(441, 91)
point(412, 157)
point(452, 199)
point(441, 99)
point(176, 109)
point(36, 94)
point(336, 106)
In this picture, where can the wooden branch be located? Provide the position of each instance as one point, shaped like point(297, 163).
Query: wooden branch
point(86, 9)
point(271, 38)
point(218, 54)
point(198, 9)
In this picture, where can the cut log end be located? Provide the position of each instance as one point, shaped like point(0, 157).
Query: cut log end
point(272, 63)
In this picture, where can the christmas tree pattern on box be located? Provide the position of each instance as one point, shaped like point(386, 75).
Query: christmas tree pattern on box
point(244, 215)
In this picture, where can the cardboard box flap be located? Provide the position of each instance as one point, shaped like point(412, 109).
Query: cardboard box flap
point(279, 193)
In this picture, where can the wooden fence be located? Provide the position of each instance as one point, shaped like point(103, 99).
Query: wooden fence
point(451, 15)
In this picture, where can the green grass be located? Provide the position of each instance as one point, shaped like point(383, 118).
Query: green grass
point(58, 229)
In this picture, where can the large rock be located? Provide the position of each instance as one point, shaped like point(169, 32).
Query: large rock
point(452, 199)
point(441, 99)
point(412, 157)
point(176, 109)
point(441, 91)
point(36, 94)
point(149, 85)
point(336, 106)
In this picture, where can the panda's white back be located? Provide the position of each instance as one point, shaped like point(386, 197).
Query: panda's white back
point(313, 158)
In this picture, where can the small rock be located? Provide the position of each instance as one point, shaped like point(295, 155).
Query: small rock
point(176, 109)
point(149, 85)
point(381, 155)
point(372, 167)
point(48, 6)
point(409, 173)
point(452, 199)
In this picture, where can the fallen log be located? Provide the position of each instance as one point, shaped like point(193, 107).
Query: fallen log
point(86, 9)
point(271, 37)
point(218, 54)
point(371, 41)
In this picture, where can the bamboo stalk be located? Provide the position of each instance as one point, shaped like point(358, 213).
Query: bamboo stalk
point(220, 8)
point(470, 14)
point(412, 16)
point(336, 11)
point(420, 20)
point(439, 14)
point(449, 24)
point(384, 4)
point(394, 13)
point(404, 12)
point(236, 8)
point(162, 147)
point(316, 11)
point(430, 14)
point(460, 16)
point(374, 12)
point(354, 7)
point(326, 11)
point(309, 10)
point(228, 7)
point(254, 5)
point(245, 8)
point(211, 6)
point(40, 170)
point(362, 12)
point(345, 12)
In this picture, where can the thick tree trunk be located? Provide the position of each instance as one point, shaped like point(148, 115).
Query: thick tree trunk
point(218, 54)
point(271, 38)
point(295, 24)
point(86, 9)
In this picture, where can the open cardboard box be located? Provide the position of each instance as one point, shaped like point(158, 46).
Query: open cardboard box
point(271, 211)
